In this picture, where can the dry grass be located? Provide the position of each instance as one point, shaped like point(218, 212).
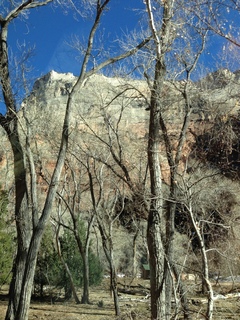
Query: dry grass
point(132, 306)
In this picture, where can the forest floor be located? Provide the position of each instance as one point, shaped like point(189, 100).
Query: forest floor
point(133, 306)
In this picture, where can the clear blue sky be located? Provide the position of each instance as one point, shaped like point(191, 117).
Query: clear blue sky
point(49, 29)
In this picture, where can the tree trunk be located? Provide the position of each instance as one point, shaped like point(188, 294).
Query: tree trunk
point(27, 282)
point(154, 238)
point(114, 289)
point(156, 262)
point(182, 292)
point(108, 250)
point(84, 252)
point(85, 296)
point(65, 265)
point(169, 260)
point(72, 286)
point(23, 222)
point(205, 275)
point(160, 274)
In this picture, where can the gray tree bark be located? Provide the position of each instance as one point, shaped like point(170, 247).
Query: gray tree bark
point(160, 296)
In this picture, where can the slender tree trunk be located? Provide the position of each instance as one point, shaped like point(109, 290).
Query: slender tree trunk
point(72, 286)
point(85, 296)
point(113, 286)
point(107, 247)
point(156, 262)
point(160, 297)
point(182, 292)
point(209, 313)
point(65, 265)
point(154, 239)
point(84, 252)
point(169, 256)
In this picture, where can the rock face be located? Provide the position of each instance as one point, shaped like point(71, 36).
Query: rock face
point(120, 103)
point(218, 93)
point(98, 95)
point(53, 84)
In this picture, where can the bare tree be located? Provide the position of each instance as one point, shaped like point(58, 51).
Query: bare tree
point(65, 265)
point(160, 307)
point(105, 153)
point(30, 223)
point(103, 203)
point(163, 25)
point(70, 199)
point(221, 17)
point(206, 228)
point(104, 210)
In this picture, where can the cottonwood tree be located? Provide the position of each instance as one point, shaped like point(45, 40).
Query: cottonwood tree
point(172, 32)
point(72, 214)
point(101, 206)
point(107, 129)
point(99, 178)
point(104, 210)
point(57, 226)
point(20, 289)
point(30, 223)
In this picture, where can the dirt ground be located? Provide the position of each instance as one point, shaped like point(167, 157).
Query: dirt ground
point(101, 307)
point(63, 312)
point(132, 306)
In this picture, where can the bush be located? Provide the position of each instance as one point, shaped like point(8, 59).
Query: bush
point(73, 258)
point(48, 268)
point(51, 272)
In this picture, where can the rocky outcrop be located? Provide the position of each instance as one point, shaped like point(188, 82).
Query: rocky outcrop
point(124, 102)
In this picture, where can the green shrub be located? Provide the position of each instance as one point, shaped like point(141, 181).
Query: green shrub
point(48, 268)
point(71, 254)
point(51, 272)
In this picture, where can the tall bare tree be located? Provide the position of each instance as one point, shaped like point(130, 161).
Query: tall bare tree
point(163, 20)
point(30, 223)
point(20, 290)
point(70, 202)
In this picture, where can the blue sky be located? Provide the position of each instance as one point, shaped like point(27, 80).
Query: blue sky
point(49, 29)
